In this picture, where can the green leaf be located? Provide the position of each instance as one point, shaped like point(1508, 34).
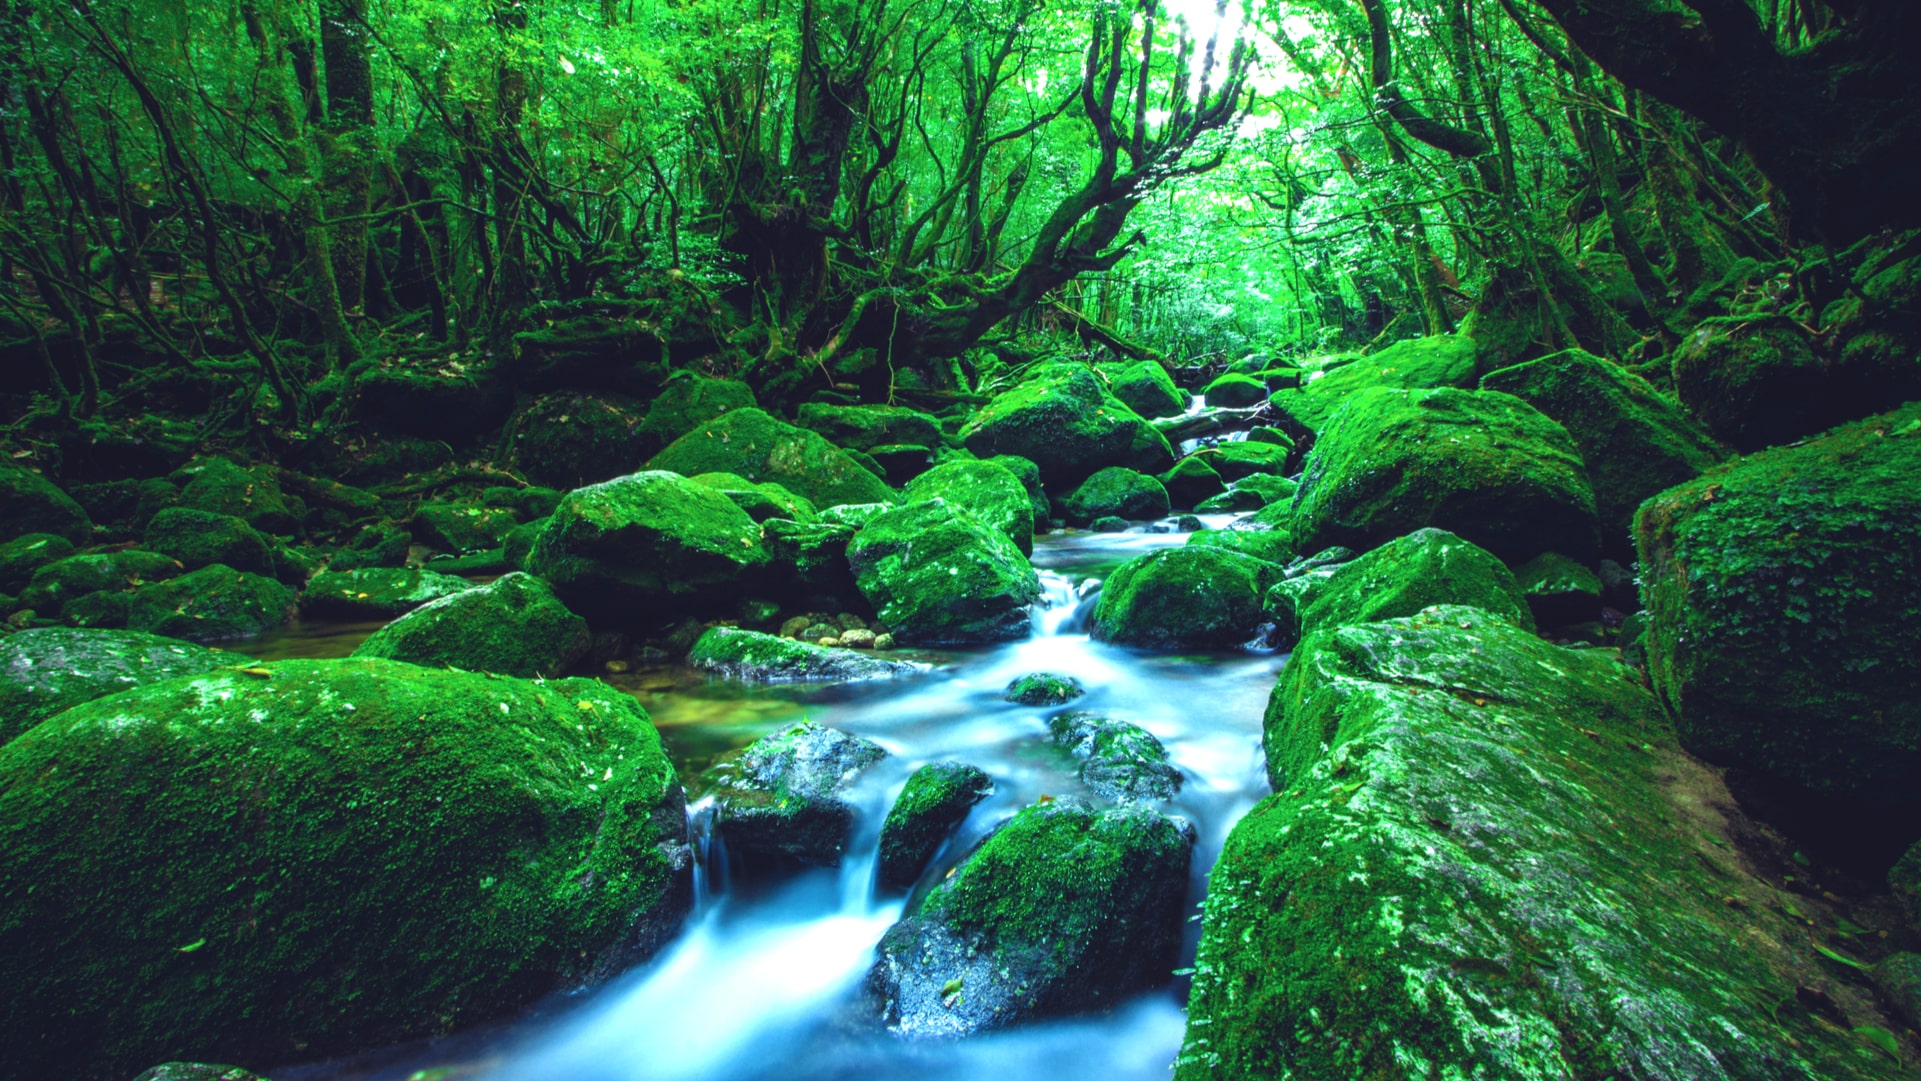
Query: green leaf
point(190, 947)
point(1839, 958)
point(1882, 1039)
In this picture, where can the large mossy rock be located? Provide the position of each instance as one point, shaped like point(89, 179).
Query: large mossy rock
point(937, 575)
point(30, 503)
point(636, 548)
point(1183, 598)
point(568, 439)
point(219, 486)
point(1063, 420)
point(763, 502)
point(1233, 391)
point(196, 538)
point(988, 490)
point(215, 603)
point(1118, 760)
point(1784, 610)
point(1191, 482)
point(762, 448)
point(1483, 465)
point(769, 658)
point(1754, 381)
point(1635, 441)
point(1116, 492)
point(1062, 909)
point(512, 626)
point(1486, 857)
point(864, 427)
point(932, 805)
point(1146, 388)
point(783, 798)
point(1403, 576)
point(56, 584)
point(1414, 364)
point(454, 399)
point(50, 669)
point(22, 555)
point(686, 401)
point(1244, 458)
point(343, 853)
point(376, 592)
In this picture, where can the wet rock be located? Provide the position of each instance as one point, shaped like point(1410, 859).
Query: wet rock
point(568, 439)
point(1063, 909)
point(1119, 760)
point(215, 603)
point(1483, 465)
point(1898, 975)
point(54, 585)
point(762, 502)
point(935, 802)
point(1235, 392)
point(1063, 420)
point(1482, 851)
point(858, 638)
point(769, 658)
point(636, 547)
point(1146, 388)
point(988, 490)
point(197, 538)
point(1192, 481)
point(1414, 364)
point(375, 593)
point(1560, 592)
point(50, 669)
point(1755, 381)
point(809, 560)
point(782, 797)
point(1784, 610)
point(686, 401)
point(346, 853)
point(463, 528)
point(762, 448)
point(1044, 689)
point(381, 545)
point(937, 575)
point(30, 503)
point(865, 427)
point(1180, 598)
point(512, 626)
point(1634, 440)
point(21, 556)
point(1029, 475)
point(1245, 458)
point(1116, 492)
point(1400, 578)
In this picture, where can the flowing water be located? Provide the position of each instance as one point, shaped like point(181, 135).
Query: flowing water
point(760, 982)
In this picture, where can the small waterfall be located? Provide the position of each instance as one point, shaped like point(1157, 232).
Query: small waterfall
point(1058, 611)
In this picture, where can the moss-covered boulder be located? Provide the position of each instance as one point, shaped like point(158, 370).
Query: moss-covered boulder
point(461, 528)
point(212, 604)
point(865, 427)
point(1482, 465)
point(636, 548)
point(379, 545)
point(1232, 391)
point(762, 502)
point(343, 853)
point(686, 401)
point(807, 561)
point(1784, 603)
point(769, 658)
point(783, 797)
point(1559, 591)
point(988, 490)
point(1063, 420)
point(568, 439)
point(1117, 759)
point(1146, 388)
point(937, 575)
point(1029, 475)
point(375, 592)
point(1256, 539)
point(1044, 689)
point(926, 813)
point(30, 503)
point(1116, 492)
point(512, 626)
point(1634, 439)
point(50, 669)
point(761, 448)
point(1414, 364)
point(1246, 458)
point(21, 556)
point(1062, 909)
point(1403, 576)
point(196, 538)
point(1754, 381)
point(1573, 910)
point(219, 486)
point(450, 399)
point(63, 581)
point(1191, 482)
point(1181, 598)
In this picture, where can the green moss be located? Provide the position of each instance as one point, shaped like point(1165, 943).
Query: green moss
point(343, 853)
point(925, 814)
point(214, 603)
point(1414, 364)
point(687, 401)
point(751, 655)
point(1559, 590)
point(1118, 760)
point(1044, 689)
point(219, 486)
point(1232, 501)
point(762, 502)
point(1145, 387)
point(865, 427)
point(22, 555)
point(1029, 475)
point(1116, 492)
point(1246, 458)
point(30, 503)
point(512, 626)
point(938, 575)
point(379, 545)
point(568, 439)
point(196, 538)
point(1063, 420)
point(1485, 858)
point(1755, 381)
point(460, 528)
point(1192, 481)
point(1483, 465)
point(988, 490)
point(376, 592)
point(1234, 392)
point(1634, 441)
point(1182, 598)
point(50, 669)
point(761, 448)
point(63, 580)
point(1784, 600)
point(1271, 488)
point(1272, 545)
point(1400, 578)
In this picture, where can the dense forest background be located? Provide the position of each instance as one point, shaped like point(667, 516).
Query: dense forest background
point(241, 210)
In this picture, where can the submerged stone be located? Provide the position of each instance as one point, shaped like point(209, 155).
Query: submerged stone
point(769, 658)
point(782, 797)
point(1403, 576)
point(937, 575)
point(1486, 857)
point(1063, 909)
point(50, 669)
point(1118, 759)
point(345, 853)
point(513, 626)
point(1180, 598)
point(935, 802)
point(763, 448)
point(1044, 689)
